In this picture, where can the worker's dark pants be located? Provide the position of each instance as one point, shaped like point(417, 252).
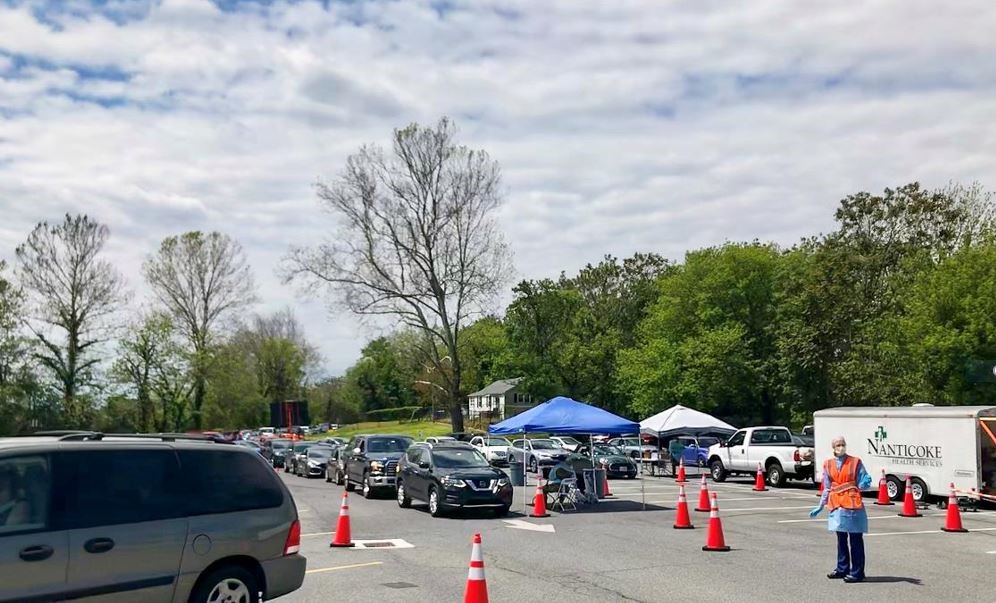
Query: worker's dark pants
point(851, 562)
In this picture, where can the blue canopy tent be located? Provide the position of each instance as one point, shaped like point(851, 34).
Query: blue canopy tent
point(562, 415)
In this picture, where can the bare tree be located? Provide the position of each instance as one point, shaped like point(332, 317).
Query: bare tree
point(419, 241)
point(201, 279)
point(74, 292)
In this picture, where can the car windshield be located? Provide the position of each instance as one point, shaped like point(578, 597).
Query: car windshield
point(628, 442)
point(319, 452)
point(388, 444)
point(607, 450)
point(570, 441)
point(543, 445)
point(303, 446)
point(498, 442)
point(707, 442)
point(280, 445)
point(458, 457)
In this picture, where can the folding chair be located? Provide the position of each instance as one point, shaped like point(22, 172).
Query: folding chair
point(568, 494)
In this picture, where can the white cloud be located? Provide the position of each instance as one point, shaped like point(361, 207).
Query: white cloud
point(620, 125)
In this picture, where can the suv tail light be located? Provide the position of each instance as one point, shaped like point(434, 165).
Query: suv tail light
point(293, 545)
point(796, 456)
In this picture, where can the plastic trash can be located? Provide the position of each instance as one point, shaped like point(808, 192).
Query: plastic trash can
point(594, 481)
point(518, 474)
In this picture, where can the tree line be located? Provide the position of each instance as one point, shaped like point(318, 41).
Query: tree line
point(895, 306)
point(77, 353)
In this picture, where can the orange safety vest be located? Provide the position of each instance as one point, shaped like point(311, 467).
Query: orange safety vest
point(844, 492)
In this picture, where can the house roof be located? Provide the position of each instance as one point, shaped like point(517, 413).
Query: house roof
point(498, 387)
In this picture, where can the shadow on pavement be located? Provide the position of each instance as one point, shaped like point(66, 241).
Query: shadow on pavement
point(892, 580)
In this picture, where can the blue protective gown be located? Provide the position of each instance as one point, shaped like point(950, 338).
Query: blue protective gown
point(847, 520)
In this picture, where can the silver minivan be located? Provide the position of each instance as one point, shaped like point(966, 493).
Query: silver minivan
point(165, 518)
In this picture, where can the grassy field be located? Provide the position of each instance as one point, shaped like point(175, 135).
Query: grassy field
point(417, 430)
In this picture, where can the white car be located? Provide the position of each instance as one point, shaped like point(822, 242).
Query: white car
point(493, 449)
point(567, 443)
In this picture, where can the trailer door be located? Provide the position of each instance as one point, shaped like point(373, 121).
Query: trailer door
point(987, 454)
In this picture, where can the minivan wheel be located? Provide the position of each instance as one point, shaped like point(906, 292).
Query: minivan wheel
point(339, 478)
point(228, 584)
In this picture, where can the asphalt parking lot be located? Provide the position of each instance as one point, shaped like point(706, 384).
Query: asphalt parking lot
point(616, 551)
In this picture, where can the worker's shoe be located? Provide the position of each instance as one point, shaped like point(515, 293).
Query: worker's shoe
point(853, 579)
point(835, 575)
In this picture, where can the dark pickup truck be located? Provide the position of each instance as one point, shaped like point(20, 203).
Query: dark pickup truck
point(371, 462)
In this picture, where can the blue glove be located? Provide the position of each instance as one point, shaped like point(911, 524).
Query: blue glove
point(866, 482)
point(816, 511)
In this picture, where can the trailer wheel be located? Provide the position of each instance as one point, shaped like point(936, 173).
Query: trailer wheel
point(894, 487)
point(920, 492)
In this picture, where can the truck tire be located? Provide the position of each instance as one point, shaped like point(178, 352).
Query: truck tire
point(776, 475)
point(717, 470)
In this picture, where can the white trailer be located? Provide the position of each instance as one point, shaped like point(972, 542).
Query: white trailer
point(934, 445)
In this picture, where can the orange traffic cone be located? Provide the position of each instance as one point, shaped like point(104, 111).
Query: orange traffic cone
point(539, 502)
point(682, 521)
point(477, 586)
point(605, 485)
point(342, 535)
point(714, 538)
point(909, 507)
point(703, 497)
point(759, 480)
point(883, 492)
point(681, 472)
point(952, 522)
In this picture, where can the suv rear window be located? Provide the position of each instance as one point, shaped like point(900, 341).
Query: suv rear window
point(111, 487)
point(227, 481)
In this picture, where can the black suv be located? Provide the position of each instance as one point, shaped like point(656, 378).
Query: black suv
point(170, 517)
point(371, 461)
point(452, 475)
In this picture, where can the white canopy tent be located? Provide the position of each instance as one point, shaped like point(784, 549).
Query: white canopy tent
point(679, 420)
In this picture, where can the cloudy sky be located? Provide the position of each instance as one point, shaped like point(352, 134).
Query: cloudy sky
point(620, 125)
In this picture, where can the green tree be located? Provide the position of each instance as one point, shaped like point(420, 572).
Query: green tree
point(950, 343)
point(142, 352)
point(707, 342)
point(200, 279)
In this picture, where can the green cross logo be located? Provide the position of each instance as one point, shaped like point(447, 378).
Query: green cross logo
point(880, 434)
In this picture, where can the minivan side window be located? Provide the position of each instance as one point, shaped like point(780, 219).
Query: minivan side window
point(112, 487)
point(24, 494)
point(227, 481)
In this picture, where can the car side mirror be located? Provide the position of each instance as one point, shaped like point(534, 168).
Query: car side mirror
point(423, 465)
point(356, 450)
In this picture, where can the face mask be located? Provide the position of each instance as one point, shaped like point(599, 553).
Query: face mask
point(840, 451)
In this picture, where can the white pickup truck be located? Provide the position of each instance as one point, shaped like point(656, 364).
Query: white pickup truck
point(496, 450)
point(773, 447)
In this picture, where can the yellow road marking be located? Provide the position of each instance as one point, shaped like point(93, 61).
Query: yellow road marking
point(342, 567)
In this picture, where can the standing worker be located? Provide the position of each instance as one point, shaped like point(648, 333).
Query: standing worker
point(844, 477)
point(675, 448)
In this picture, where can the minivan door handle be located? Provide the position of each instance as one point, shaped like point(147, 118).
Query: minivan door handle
point(36, 553)
point(98, 545)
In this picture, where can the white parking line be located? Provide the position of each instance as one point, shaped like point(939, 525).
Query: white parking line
point(889, 517)
point(317, 534)
point(342, 567)
point(926, 532)
point(727, 509)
